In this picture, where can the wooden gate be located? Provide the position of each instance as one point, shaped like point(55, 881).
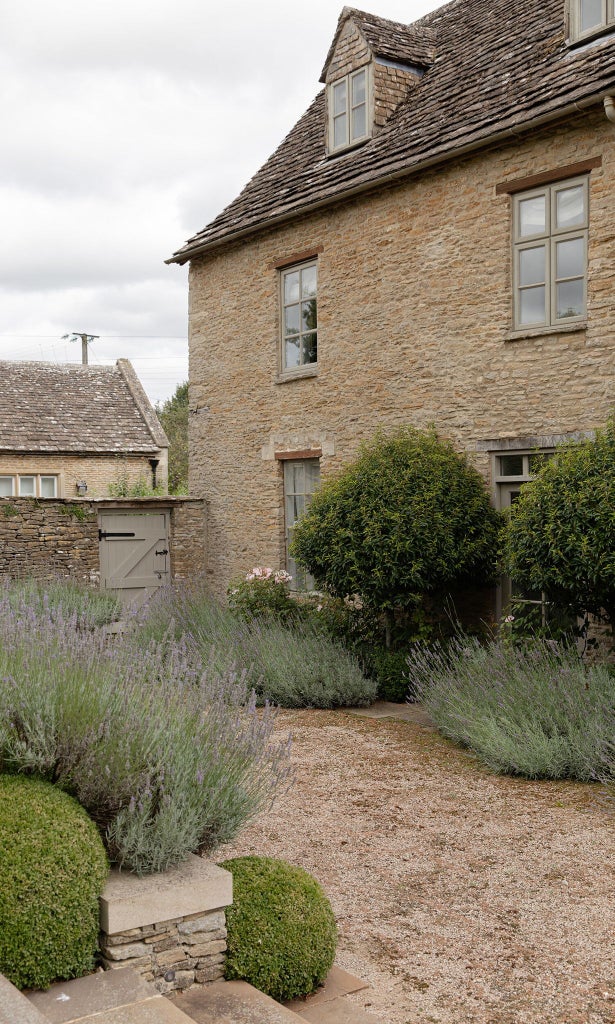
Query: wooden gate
point(134, 553)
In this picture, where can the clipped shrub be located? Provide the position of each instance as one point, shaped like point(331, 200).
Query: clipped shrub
point(53, 869)
point(281, 928)
point(560, 535)
point(536, 711)
point(168, 759)
point(389, 672)
point(409, 517)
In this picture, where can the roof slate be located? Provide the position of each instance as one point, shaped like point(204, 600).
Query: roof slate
point(497, 68)
point(46, 407)
point(409, 44)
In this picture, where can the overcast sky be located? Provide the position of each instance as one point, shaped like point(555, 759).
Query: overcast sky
point(125, 127)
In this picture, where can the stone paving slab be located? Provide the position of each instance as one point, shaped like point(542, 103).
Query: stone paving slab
point(337, 983)
point(232, 1002)
point(338, 1011)
point(387, 709)
point(71, 1000)
point(15, 1008)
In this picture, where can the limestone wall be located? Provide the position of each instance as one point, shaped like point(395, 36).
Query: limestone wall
point(100, 472)
point(414, 326)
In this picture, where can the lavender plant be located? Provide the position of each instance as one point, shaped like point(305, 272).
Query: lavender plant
point(66, 598)
point(166, 758)
point(290, 664)
point(536, 710)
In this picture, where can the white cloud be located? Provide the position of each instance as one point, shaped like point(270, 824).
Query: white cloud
point(127, 126)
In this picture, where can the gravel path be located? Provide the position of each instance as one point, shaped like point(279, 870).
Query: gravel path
point(460, 896)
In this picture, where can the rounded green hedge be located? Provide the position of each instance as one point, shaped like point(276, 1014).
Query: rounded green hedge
point(281, 928)
point(53, 868)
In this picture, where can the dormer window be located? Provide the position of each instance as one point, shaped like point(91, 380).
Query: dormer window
point(591, 17)
point(348, 110)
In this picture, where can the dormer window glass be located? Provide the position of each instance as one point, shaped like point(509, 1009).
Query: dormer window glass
point(589, 17)
point(348, 110)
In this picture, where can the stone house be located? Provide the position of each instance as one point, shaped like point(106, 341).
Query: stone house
point(433, 242)
point(68, 430)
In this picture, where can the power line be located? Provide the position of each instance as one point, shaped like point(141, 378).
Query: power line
point(122, 337)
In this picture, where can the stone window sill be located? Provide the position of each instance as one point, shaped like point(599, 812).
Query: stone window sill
point(543, 332)
point(298, 374)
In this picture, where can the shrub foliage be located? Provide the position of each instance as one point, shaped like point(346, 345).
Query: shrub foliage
point(53, 869)
point(281, 928)
point(409, 517)
point(561, 534)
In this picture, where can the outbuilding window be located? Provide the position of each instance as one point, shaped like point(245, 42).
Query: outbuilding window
point(30, 485)
point(550, 254)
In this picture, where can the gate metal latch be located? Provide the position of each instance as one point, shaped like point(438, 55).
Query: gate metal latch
point(164, 551)
point(103, 534)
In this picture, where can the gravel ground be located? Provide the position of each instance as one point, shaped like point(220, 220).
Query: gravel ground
point(460, 896)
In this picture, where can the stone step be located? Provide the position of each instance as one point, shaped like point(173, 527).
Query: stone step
point(236, 1002)
point(106, 990)
point(122, 997)
point(232, 1002)
point(156, 1010)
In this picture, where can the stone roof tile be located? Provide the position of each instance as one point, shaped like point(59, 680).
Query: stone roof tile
point(498, 68)
point(48, 407)
point(409, 44)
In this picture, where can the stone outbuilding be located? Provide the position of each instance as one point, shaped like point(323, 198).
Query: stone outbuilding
point(69, 429)
point(433, 242)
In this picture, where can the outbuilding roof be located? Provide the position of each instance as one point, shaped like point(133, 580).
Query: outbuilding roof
point(49, 407)
point(495, 68)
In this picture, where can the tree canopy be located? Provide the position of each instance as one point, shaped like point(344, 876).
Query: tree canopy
point(408, 517)
point(561, 534)
point(173, 414)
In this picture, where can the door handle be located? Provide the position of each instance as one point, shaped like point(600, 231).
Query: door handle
point(164, 551)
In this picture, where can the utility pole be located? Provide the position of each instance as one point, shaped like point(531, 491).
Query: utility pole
point(85, 341)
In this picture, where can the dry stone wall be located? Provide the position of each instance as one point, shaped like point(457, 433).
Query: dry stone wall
point(46, 538)
point(173, 954)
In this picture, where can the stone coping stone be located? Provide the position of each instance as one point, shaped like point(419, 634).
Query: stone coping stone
point(105, 990)
point(193, 887)
point(15, 1008)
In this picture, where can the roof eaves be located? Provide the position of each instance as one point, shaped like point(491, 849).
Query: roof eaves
point(143, 403)
point(479, 141)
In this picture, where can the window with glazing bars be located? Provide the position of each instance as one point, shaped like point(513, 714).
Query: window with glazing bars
point(299, 316)
point(550, 254)
point(589, 17)
point(301, 479)
point(348, 107)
